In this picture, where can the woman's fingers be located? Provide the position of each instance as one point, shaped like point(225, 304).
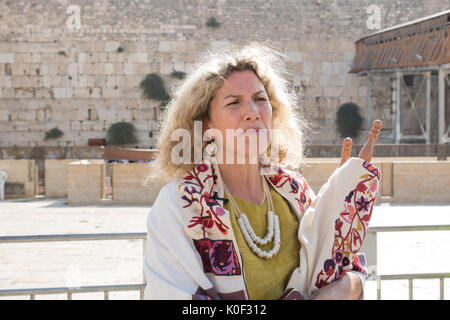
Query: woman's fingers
point(367, 150)
point(346, 150)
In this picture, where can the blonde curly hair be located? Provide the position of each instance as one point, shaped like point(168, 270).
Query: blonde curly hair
point(192, 98)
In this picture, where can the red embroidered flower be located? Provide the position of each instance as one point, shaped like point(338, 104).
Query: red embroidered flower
point(361, 187)
point(209, 201)
point(202, 167)
point(302, 197)
point(338, 225)
point(207, 222)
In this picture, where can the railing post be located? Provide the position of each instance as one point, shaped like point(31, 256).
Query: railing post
point(144, 246)
point(410, 287)
point(441, 288)
point(106, 295)
point(369, 248)
point(378, 287)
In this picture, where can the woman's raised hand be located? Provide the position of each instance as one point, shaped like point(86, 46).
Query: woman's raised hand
point(346, 150)
point(366, 152)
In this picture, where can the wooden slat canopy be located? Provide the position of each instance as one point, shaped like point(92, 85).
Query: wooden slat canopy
point(421, 42)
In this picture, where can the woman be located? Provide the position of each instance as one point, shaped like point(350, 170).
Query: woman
point(232, 224)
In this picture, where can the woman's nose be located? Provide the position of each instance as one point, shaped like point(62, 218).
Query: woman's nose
point(251, 112)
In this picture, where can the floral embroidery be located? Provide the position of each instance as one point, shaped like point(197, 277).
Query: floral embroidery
point(218, 257)
point(297, 185)
point(209, 209)
point(350, 229)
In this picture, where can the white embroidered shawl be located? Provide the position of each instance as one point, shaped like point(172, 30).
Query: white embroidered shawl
point(191, 251)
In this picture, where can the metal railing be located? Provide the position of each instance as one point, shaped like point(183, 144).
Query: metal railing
point(142, 236)
point(106, 289)
point(372, 255)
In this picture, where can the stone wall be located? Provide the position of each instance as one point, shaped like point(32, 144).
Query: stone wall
point(405, 180)
point(81, 72)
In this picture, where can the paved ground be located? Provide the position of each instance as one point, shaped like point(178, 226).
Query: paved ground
point(60, 264)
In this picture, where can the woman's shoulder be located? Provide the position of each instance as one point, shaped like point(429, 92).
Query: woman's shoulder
point(276, 173)
point(167, 193)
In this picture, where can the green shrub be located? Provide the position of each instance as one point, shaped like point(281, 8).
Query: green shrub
point(153, 86)
point(178, 74)
point(121, 133)
point(213, 23)
point(348, 120)
point(54, 133)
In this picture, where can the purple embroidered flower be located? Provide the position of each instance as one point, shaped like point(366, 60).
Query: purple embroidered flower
point(345, 261)
point(294, 186)
point(338, 256)
point(329, 266)
point(362, 204)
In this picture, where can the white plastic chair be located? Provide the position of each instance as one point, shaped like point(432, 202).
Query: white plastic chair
point(3, 177)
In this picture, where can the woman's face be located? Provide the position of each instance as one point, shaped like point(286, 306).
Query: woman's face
point(241, 107)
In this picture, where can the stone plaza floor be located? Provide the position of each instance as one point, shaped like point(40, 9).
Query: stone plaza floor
point(109, 262)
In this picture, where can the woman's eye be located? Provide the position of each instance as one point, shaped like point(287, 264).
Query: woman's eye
point(232, 103)
point(261, 99)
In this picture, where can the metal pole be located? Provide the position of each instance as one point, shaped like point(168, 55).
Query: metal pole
point(368, 103)
point(428, 109)
point(441, 110)
point(410, 287)
point(144, 246)
point(378, 288)
point(398, 106)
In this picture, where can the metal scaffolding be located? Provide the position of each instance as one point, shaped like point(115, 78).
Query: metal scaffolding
point(419, 49)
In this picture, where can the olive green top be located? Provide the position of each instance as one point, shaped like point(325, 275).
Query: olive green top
point(266, 279)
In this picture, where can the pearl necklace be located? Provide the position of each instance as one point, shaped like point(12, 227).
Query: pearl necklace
point(273, 226)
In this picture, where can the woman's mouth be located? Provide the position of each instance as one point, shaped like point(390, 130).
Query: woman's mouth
point(253, 130)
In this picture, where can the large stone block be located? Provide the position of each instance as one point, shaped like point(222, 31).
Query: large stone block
point(138, 57)
point(7, 58)
point(135, 184)
point(56, 178)
point(62, 93)
point(112, 46)
point(84, 181)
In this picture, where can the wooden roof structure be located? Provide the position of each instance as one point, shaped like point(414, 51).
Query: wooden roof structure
point(420, 43)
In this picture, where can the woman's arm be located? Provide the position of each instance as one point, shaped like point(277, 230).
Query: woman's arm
point(347, 287)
